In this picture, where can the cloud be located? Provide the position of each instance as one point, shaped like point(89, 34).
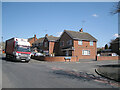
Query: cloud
point(116, 35)
point(58, 34)
point(95, 15)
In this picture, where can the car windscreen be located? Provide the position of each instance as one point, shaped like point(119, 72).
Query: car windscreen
point(23, 48)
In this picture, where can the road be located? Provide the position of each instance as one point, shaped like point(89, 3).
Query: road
point(40, 74)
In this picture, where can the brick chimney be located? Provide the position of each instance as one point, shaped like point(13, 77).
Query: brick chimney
point(81, 30)
point(46, 35)
point(35, 37)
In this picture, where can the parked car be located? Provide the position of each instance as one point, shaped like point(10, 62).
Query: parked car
point(33, 53)
point(38, 54)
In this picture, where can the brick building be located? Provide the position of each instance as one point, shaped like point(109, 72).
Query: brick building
point(38, 44)
point(32, 40)
point(80, 44)
point(49, 44)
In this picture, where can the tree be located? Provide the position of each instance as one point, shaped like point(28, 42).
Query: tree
point(110, 47)
point(116, 8)
point(106, 46)
point(111, 42)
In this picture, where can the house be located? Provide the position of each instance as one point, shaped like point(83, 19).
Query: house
point(115, 45)
point(77, 43)
point(50, 44)
point(38, 44)
point(32, 40)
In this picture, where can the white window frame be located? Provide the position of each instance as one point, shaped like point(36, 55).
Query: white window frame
point(85, 52)
point(91, 43)
point(80, 42)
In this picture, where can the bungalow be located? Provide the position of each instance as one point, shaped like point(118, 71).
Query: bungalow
point(77, 43)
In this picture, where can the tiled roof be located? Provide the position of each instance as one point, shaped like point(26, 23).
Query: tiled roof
point(117, 40)
point(30, 39)
point(51, 38)
point(80, 35)
point(39, 40)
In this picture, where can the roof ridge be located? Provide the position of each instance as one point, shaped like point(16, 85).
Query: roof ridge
point(41, 37)
point(75, 31)
point(80, 35)
point(51, 35)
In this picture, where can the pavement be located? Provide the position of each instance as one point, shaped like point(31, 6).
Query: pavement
point(109, 71)
point(41, 74)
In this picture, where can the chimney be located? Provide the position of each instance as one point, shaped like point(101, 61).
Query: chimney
point(46, 35)
point(34, 37)
point(81, 30)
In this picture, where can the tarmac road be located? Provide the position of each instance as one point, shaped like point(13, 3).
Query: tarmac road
point(40, 74)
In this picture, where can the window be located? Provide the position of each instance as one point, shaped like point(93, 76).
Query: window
point(69, 42)
point(91, 43)
point(61, 43)
point(79, 42)
point(85, 52)
point(46, 44)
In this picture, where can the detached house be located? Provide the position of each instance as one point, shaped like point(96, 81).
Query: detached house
point(50, 44)
point(77, 43)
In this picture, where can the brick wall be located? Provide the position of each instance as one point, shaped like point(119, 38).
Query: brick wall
point(55, 59)
point(85, 46)
point(32, 40)
point(56, 48)
point(78, 48)
point(51, 47)
point(65, 37)
point(45, 48)
point(108, 57)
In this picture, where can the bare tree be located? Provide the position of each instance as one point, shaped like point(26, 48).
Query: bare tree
point(116, 8)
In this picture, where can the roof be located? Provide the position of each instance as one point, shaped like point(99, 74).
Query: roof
point(52, 38)
point(39, 40)
point(117, 40)
point(30, 39)
point(80, 35)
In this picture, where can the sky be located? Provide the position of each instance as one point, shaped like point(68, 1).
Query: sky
point(24, 19)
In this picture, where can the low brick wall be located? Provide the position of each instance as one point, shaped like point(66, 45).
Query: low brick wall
point(54, 59)
point(108, 57)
